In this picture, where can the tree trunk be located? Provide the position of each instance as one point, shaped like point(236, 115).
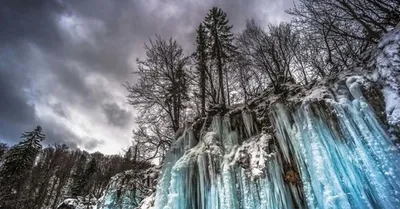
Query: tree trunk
point(227, 88)
point(203, 89)
point(220, 76)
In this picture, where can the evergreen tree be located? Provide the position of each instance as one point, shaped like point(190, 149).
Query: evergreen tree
point(82, 178)
point(78, 182)
point(17, 164)
point(88, 176)
point(201, 61)
point(220, 40)
point(3, 150)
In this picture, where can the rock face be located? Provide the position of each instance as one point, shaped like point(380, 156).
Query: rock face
point(328, 146)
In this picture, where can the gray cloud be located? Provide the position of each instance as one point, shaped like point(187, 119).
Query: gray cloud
point(116, 115)
point(16, 113)
point(30, 21)
point(59, 109)
point(62, 62)
point(57, 133)
point(92, 143)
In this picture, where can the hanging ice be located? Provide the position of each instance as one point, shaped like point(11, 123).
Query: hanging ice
point(345, 158)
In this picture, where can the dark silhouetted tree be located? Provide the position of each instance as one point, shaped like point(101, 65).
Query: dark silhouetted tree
point(219, 40)
point(201, 62)
point(16, 168)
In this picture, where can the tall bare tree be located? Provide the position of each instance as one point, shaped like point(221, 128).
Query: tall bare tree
point(161, 90)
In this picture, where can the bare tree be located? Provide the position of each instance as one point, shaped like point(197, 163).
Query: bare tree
point(339, 31)
point(269, 52)
point(161, 90)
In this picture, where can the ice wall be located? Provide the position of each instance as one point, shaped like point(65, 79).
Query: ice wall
point(322, 154)
point(223, 171)
point(345, 158)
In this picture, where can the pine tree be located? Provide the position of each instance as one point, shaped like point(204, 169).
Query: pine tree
point(3, 150)
point(78, 181)
point(17, 165)
point(201, 61)
point(88, 176)
point(220, 40)
point(82, 178)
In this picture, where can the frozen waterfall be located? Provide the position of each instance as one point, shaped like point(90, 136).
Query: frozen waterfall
point(331, 153)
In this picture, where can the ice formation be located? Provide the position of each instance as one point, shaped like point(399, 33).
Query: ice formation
point(323, 156)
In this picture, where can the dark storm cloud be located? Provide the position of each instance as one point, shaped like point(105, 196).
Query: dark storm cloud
point(116, 115)
point(29, 20)
point(16, 113)
point(72, 55)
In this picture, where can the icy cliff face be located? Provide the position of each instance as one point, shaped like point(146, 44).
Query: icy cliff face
point(322, 157)
point(319, 148)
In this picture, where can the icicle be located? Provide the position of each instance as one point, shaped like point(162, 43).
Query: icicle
point(355, 170)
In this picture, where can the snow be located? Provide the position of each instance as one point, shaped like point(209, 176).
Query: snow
point(79, 203)
point(388, 68)
point(316, 94)
point(253, 150)
point(392, 101)
point(148, 202)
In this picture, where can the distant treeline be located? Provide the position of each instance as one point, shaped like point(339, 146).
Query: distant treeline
point(33, 177)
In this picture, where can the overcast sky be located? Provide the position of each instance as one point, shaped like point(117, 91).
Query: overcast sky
point(63, 62)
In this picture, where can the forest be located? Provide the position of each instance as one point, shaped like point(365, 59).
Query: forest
point(324, 38)
point(33, 176)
